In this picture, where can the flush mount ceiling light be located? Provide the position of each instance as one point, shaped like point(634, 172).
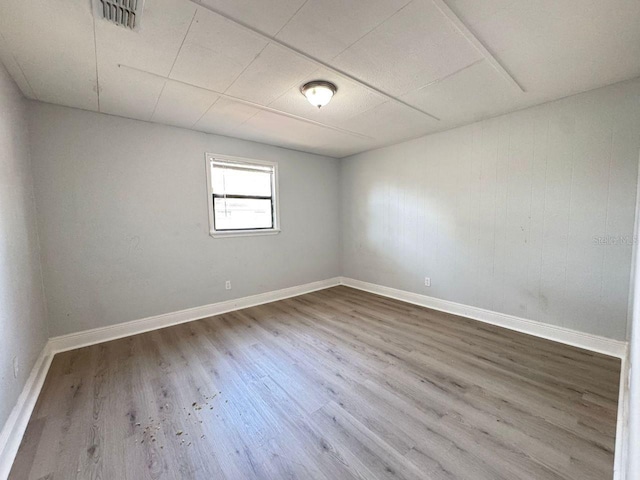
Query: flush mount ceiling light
point(319, 92)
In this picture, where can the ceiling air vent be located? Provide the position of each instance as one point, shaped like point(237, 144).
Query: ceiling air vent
point(121, 12)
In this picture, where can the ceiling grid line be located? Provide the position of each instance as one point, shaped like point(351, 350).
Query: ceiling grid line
point(24, 75)
point(439, 80)
point(375, 27)
point(205, 112)
point(184, 39)
point(310, 58)
point(272, 101)
point(230, 85)
point(155, 107)
point(279, 96)
point(250, 103)
point(95, 49)
point(291, 18)
point(460, 60)
point(337, 55)
point(477, 44)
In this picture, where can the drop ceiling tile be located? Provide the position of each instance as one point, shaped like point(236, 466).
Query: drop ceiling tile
point(275, 128)
point(473, 11)
point(325, 28)
point(347, 147)
point(547, 22)
point(351, 99)
point(267, 16)
point(267, 129)
point(153, 46)
point(129, 93)
point(413, 48)
point(288, 132)
point(225, 116)
point(215, 52)
point(270, 75)
point(471, 94)
point(391, 122)
point(561, 48)
point(182, 105)
point(55, 48)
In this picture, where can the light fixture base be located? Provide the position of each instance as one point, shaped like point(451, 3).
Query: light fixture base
point(318, 92)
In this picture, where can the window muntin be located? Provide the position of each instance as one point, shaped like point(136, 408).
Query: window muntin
point(242, 196)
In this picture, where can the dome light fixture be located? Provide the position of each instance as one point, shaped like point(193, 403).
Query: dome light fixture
point(319, 92)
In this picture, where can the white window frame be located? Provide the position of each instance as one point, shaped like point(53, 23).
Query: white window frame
point(209, 158)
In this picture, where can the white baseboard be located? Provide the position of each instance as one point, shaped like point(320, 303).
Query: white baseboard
point(587, 341)
point(622, 426)
point(15, 426)
point(120, 330)
point(13, 430)
point(607, 346)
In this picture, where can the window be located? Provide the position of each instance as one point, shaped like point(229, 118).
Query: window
point(242, 196)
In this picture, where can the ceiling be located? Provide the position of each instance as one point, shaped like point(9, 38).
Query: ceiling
point(403, 68)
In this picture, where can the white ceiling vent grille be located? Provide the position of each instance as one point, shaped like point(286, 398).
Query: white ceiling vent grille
point(121, 12)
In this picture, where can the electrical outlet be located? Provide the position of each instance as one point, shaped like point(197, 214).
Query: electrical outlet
point(427, 281)
point(227, 285)
point(16, 367)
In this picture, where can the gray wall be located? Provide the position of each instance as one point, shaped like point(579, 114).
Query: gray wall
point(529, 214)
point(122, 208)
point(23, 329)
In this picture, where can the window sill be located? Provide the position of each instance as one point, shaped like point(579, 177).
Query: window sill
point(244, 233)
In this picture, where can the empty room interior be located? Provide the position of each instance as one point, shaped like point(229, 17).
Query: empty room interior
point(319, 239)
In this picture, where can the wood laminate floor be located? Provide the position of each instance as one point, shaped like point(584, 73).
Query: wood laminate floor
point(336, 384)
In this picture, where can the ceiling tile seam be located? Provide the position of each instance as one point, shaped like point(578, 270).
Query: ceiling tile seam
point(477, 43)
point(271, 102)
point(95, 52)
point(205, 112)
point(15, 60)
point(258, 55)
point(291, 18)
point(312, 74)
point(270, 43)
point(244, 121)
point(366, 110)
point(292, 85)
point(446, 77)
point(391, 143)
point(252, 104)
point(155, 107)
point(477, 120)
point(184, 39)
point(375, 27)
point(454, 126)
point(314, 59)
point(232, 84)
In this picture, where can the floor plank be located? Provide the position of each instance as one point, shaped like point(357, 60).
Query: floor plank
point(336, 384)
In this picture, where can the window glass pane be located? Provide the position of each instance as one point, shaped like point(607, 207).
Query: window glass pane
point(242, 213)
point(232, 181)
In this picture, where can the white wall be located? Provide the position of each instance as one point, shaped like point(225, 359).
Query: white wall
point(529, 214)
point(23, 329)
point(123, 214)
point(633, 402)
